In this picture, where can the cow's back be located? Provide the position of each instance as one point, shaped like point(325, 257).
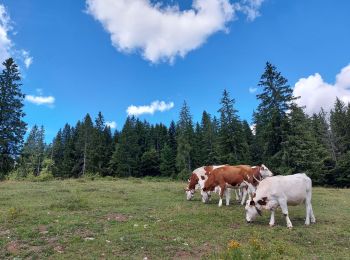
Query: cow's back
point(293, 187)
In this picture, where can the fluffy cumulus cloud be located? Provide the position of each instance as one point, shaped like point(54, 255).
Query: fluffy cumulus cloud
point(162, 32)
point(41, 100)
point(7, 47)
point(160, 106)
point(111, 124)
point(5, 28)
point(316, 93)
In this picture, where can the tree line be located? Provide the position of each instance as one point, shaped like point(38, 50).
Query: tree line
point(282, 136)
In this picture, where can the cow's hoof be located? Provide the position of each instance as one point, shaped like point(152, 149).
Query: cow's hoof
point(290, 228)
point(271, 225)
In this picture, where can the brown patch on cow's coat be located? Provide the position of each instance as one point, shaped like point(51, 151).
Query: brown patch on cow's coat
point(193, 181)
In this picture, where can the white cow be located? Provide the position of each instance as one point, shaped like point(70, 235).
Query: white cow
point(280, 191)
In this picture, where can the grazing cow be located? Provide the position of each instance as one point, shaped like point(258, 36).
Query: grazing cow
point(198, 177)
point(280, 191)
point(234, 177)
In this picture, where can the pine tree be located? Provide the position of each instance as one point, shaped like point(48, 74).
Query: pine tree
point(184, 156)
point(340, 128)
point(150, 163)
point(270, 118)
point(126, 157)
point(12, 127)
point(167, 162)
point(233, 146)
point(209, 139)
point(300, 151)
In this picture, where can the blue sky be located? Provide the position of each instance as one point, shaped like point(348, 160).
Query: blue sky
point(75, 62)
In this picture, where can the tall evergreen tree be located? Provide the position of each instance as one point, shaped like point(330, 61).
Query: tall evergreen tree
point(209, 139)
point(125, 160)
point(184, 156)
point(233, 146)
point(12, 127)
point(270, 118)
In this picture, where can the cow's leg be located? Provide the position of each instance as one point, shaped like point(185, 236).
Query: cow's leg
point(237, 195)
point(272, 218)
point(312, 216)
point(244, 197)
point(228, 196)
point(240, 192)
point(309, 212)
point(284, 208)
point(222, 191)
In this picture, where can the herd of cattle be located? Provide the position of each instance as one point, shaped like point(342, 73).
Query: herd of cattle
point(265, 191)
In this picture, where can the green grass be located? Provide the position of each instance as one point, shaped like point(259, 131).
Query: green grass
point(134, 218)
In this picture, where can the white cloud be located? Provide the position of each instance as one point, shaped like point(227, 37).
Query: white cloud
point(27, 59)
point(5, 28)
point(316, 93)
point(111, 124)
point(41, 100)
point(7, 47)
point(160, 106)
point(252, 90)
point(250, 8)
point(161, 32)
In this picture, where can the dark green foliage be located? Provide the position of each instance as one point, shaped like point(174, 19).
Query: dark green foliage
point(150, 163)
point(232, 142)
point(270, 119)
point(283, 137)
point(12, 127)
point(185, 139)
point(33, 150)
point(168, 162)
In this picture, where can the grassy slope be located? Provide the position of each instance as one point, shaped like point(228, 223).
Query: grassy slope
point(139, 218)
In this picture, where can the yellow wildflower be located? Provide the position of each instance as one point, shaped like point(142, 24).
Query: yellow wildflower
point(233, 244)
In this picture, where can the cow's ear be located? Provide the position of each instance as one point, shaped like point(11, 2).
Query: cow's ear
point(252, 203)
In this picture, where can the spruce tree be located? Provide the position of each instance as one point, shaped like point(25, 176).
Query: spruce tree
point(12, 127)
point(233, 146)
point(209, 139)
point(270, 117)
point(184, 156)
point(149, 165)
point(167, 162)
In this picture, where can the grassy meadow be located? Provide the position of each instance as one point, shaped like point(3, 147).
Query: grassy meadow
point(139, 218)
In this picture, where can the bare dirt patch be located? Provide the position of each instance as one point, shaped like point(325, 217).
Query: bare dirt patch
point(43, 229)
point(117, 217)
point(14, 247)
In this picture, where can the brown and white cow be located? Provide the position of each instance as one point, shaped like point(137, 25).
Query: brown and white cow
point(198, 177)
point(234, 177)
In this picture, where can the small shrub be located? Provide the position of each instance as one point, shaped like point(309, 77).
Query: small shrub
point(14, 213)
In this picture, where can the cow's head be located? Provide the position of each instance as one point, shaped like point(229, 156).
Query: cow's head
point(189, 193)
point(265, 172)
point(253, 208)
point(192, 182)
